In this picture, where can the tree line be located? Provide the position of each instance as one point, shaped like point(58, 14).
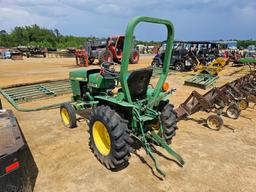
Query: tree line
point(38, 36)
point(245, 43)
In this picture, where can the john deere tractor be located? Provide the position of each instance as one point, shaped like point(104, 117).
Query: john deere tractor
point(135, 111)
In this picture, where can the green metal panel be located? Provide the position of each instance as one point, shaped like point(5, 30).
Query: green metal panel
point(96, 80)
point(75, 78)
point(99, 82)
point(247, 60)
point(201, 80)
point(75, 86)
point(127, 48)
point(22, 93)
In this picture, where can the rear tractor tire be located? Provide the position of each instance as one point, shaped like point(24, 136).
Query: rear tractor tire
point(169, 123)
point(109, 138)
point(135, 56)
point(68, 115)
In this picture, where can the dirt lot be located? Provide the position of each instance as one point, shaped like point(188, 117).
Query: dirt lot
point(215, 161)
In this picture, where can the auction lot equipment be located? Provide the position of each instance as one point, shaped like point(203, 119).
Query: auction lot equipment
point(202, 80)
point(6, 55)
point(248, 61)
point(234, 96)
point(82, 58)
point(213, 68)
point(179, 60)
point(16, 56)
point(32, 51)
point(137, 111)
point(18, 170)
point(208, 74)
point(27, 92)
point(186, 54)
point(110, 49)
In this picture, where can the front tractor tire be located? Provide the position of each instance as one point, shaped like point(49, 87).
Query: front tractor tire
point(105, 56)
point(68, 115)
point(109, 138)
point(169, 122)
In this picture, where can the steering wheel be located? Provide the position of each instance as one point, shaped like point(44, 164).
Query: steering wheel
point(108, 69)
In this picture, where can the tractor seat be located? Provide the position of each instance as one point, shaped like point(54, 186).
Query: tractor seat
point(138, 82)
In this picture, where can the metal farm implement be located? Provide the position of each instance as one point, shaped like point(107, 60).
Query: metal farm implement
point(208, 74)
point(234, 96)
point(22, 93)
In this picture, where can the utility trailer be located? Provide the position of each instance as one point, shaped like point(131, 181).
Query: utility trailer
point(18, 170)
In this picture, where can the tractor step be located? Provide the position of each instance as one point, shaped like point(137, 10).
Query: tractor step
point(154, 137)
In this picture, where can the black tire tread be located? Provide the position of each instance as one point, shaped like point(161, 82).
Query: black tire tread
point(72, 114)
point(118, 131)
point(169, 122)
point(182, 66)
point(101, 60)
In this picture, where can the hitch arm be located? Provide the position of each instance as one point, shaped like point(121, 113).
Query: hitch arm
point(151, 154)
point(163, 143)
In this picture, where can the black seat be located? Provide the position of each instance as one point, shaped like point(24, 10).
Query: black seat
point(138, 82)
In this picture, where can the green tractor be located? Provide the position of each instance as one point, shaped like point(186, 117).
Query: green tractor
point(137, 111)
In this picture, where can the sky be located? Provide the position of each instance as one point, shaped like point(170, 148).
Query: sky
point(192, 19)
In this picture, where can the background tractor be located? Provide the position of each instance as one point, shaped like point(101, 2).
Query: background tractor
point(110, 49)
point(126, 108)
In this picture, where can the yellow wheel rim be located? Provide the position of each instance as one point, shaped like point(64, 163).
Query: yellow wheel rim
point(213, 123)
point(65, 116)
point(156, 127)
point(101, 138)
point(243, 104)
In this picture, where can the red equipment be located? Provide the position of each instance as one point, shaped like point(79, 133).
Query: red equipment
point(115, 46)
point(81, 58)
point(110, 49)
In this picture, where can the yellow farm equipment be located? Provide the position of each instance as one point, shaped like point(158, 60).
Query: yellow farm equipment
point(213, 67)
point(208, 74)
